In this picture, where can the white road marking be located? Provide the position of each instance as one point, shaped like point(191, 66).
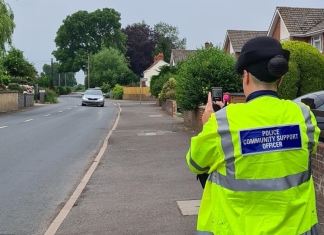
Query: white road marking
point(47, 115)
point(70, 108)
point(60, 111)
point(28, 120)
point(1, 127)
point(155, 115)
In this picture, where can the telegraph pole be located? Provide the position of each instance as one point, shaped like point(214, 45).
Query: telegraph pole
point(88, 71)
point(52, 80)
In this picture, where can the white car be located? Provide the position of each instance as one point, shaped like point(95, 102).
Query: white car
point(93, 97)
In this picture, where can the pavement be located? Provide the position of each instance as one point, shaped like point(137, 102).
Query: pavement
point(140, 184)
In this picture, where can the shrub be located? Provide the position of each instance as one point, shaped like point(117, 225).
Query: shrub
point(118, 92)
point(206, 68)
point(157, 81)
point(168, 90)
point(105, 87)
point(5, 80)
point(68, 90)
point(62, 90)
point(50, 96)
point(306, 70)
point(15, 87)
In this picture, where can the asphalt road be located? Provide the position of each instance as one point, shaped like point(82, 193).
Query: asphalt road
point(44, 153)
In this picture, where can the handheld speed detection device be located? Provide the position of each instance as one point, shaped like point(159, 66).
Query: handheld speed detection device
point(217, 95)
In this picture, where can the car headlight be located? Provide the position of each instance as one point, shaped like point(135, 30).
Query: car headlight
point(84, 98)
point(100, 99)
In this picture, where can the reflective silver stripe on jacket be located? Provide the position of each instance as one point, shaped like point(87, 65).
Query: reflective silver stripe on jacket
point(230, 182)
point(204, 233)
point(312, 231)
point(195, 165)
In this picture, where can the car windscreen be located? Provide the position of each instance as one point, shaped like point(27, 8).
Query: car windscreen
point(93, 92)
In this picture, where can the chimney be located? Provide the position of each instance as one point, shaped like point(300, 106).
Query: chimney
point(158, 57)
point(208, 44)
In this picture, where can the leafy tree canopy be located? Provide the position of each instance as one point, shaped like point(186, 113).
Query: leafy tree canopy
point(84, 33)
point(16, 65)
point(199, 72)
point(59, 79)
point(144, 42)
point(7, 26)
point(306, 70)
point(110, 66)
point(172, 33)
point(140, 44)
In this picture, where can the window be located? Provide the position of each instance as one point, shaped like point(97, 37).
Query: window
point(317, 42)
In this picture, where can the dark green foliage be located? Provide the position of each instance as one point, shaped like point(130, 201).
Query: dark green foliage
point(306, 70)
point(15, 87)
point(105, 87)
point(110, 66)
point(164, 45)
point(118, 92)
point(84, 33)
point(63, 90)
point(43, 81)
point(50, 96)
point(158, 81)
point(17, 65)
point(199, 72)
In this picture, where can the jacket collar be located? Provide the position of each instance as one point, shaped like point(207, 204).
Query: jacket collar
point(258, 94)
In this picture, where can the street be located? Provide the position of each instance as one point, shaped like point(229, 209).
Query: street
point(45, 151)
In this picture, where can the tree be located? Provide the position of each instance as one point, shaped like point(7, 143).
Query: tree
point(164, 46)
point(110, 66)
point(172, 33)
point(85, 33)
point(199, 72)
point(16, 65)
point(157, 81)
point(140, 43)
point(306, 70)
point(59, 79)
point(6, 27)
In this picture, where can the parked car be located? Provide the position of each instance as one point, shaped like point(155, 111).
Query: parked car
point(318, 97)
point(93, 97)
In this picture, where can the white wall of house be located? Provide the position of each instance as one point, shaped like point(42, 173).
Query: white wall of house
point(284, 34)
point(154, 70)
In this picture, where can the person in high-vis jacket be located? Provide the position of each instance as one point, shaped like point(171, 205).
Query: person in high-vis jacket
point(257, 154)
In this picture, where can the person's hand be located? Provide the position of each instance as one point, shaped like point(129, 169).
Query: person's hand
point(209, 109)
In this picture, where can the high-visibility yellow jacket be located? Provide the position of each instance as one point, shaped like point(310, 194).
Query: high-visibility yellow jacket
point(258, 155)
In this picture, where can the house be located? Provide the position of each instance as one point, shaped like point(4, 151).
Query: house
point(179, 55)
point(235, 39)
point(288, 23)
point(154, 69)
point(298, 24)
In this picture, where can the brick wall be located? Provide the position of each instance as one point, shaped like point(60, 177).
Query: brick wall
point(170, 106)
point(276, 32)
point(192, 119)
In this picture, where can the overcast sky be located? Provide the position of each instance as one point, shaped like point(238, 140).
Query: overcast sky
point(199, 21)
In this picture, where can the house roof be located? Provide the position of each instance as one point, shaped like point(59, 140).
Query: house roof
point(155, 63)
point(179, 55)
point(299, 21)
point(239, 37)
